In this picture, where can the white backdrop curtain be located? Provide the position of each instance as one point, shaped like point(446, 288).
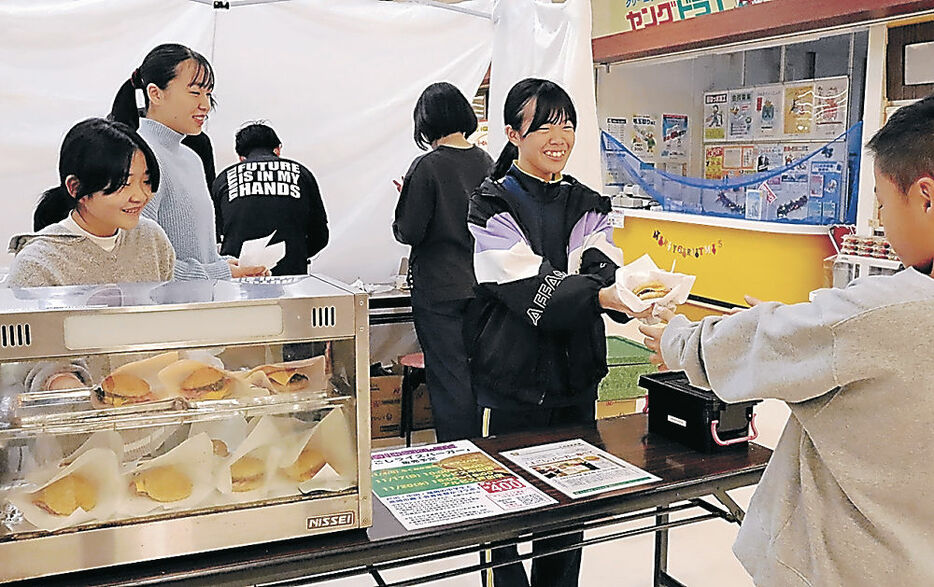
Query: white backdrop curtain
point(534, 38)
point(337, 80)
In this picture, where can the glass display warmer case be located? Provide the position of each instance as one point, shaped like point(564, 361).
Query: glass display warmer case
point(143, 421)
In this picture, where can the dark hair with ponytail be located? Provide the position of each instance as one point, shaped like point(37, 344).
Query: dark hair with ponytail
point(159, 67)
point(552, 106)
point(98, 153)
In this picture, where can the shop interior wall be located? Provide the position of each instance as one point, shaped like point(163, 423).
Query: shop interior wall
point(674, 87)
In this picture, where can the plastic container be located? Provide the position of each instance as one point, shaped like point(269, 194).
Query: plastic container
point(696, 417)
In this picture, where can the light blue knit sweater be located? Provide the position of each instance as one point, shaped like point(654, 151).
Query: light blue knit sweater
point(182, 206)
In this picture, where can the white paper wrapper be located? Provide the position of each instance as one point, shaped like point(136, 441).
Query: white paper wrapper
point(190, 458)
point(260, 443)
point(327, 479)
point(644, 270)
point(231, 431)
point(173, 375)
point(148, 370)
point(313, 369)
point(333, 438)
point(290, 447)
point(208, 357)
point(107, 439)
point(258, 252)
point(139, 443)
point(97, 465)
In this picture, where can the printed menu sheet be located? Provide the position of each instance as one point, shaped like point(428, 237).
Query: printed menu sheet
point(441, 484)
point(577, 468)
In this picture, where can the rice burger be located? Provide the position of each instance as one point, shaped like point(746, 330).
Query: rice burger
point(206, 383)
point(306, 466)
point(162, 484)
point(122, 388)
point(651, 291)
point(286, 380)
point(66, 495)
point(247, 474)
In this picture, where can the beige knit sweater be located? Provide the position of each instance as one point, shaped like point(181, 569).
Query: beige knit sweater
point(57, 256)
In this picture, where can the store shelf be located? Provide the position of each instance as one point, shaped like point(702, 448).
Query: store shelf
point(736, 223)
point(173, 411)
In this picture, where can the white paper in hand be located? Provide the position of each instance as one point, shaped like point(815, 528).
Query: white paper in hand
point(259, 253)
point(643, 270)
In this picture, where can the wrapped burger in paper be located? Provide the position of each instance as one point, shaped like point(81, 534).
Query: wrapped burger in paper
point(312, 454)
point(667, 289)
point(305, 375)
point(86, 490)
point(333, 437)
point(177, 480)
point(199, 381)
point(134, 382)
point(245, 475)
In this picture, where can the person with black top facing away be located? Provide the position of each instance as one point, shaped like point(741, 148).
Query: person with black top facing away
point(264, 193)
point(545, 265)
point(431, 216)
point(177, 85)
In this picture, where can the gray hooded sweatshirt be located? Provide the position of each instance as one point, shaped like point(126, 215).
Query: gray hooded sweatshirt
point(848, 497)
point(57, 256)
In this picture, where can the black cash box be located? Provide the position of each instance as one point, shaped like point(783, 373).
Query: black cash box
point(696, 417)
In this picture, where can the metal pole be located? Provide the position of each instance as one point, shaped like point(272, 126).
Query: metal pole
point(454, 8)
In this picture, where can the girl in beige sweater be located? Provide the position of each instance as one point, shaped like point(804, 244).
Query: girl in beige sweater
point(89, 227)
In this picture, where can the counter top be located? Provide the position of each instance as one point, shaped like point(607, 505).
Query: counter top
point(736, 223)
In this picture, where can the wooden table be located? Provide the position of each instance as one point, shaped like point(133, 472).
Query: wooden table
point(687, 476)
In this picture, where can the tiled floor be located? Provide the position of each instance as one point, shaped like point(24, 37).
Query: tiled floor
point(699, 555)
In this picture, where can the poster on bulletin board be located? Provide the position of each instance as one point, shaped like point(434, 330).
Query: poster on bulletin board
point(741, 115)
point(798, 110)
point(645, 136)
point(768, 111)
point(713, 163)
point(715, 107)
point(830, 100)
point(674, 137)
point(825, 191)
point(793, 196)
point(616, 127)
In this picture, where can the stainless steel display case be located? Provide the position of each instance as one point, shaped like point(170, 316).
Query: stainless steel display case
point(233, 326)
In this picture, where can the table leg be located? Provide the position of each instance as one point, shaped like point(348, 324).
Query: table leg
point(727, 501)
point(661, 550)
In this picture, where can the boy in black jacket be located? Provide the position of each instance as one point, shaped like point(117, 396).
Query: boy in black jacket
point(264, 193)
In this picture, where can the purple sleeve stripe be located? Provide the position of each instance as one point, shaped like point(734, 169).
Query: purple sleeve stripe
point(589, 223)
point(501, 233)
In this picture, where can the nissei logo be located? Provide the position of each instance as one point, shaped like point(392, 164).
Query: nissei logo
point(331, 521)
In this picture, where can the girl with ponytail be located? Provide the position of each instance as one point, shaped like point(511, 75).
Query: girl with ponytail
point(176, 86)
point(88, 228)
point(545, 265)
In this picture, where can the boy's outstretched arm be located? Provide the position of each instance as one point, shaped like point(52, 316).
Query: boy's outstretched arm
point(769, 351)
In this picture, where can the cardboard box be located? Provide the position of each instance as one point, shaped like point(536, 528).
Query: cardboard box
point(386, 406)
point(613, 408)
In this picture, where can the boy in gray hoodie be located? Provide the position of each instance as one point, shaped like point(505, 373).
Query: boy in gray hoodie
point(848, 497)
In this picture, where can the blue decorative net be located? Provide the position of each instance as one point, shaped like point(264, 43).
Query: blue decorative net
point(812, 183)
